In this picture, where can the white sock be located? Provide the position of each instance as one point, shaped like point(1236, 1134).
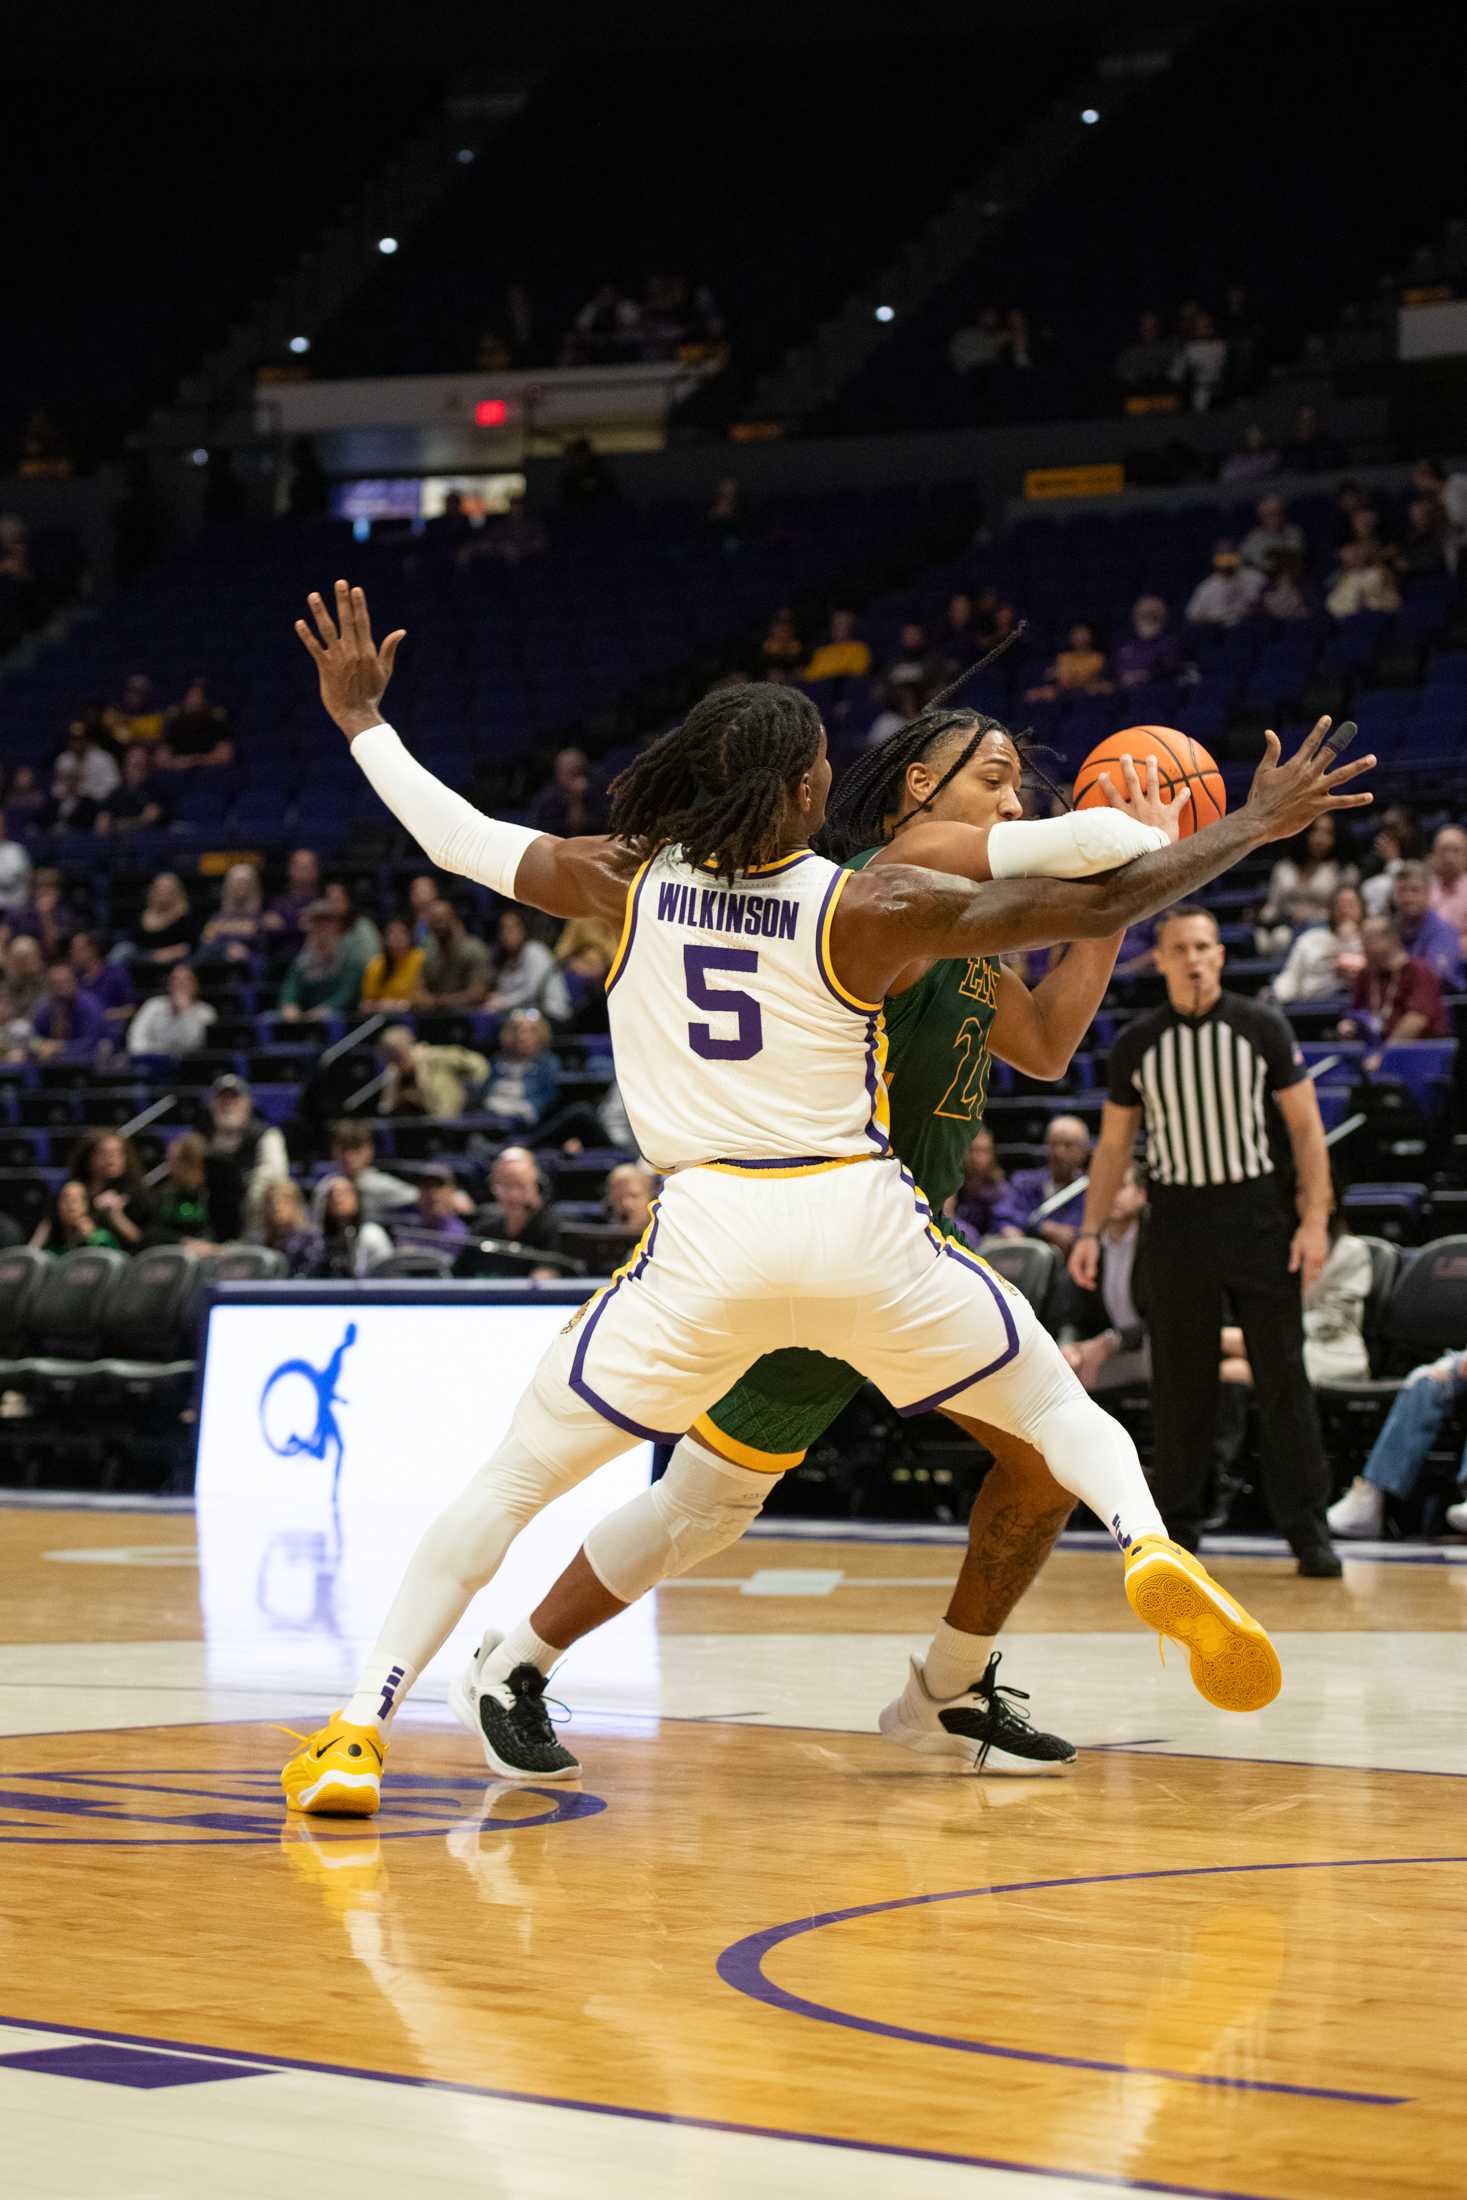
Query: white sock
point(376, 1702)
point(954, 1661)
point(521, 1646)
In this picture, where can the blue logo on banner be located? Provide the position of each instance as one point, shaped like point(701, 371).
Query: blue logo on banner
point(306, 1386)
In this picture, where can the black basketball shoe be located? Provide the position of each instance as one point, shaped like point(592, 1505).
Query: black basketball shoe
point(508, 1714)
point(984, 1725)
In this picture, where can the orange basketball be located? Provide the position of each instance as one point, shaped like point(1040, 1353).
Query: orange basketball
point(1178, 758)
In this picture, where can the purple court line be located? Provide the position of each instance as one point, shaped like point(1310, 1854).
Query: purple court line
point(1104, 2179)
point(741, 1966)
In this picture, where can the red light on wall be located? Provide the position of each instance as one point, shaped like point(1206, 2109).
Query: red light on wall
point(491, 412)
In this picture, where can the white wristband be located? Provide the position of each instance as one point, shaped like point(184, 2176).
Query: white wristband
point(450, 831)
point(1077, 845)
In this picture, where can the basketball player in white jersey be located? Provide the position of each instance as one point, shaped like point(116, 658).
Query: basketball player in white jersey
point(746, 1016)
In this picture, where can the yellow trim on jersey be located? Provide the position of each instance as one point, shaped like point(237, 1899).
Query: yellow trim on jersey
point(626, 924)
point(740, 1454)
point(751, 1173)
point(822, 950)
point(762, 870)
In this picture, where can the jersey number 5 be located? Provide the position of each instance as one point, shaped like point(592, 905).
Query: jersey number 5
point(748, 1039)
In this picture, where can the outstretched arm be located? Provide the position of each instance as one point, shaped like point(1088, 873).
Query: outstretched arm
point(567, 878)
point(891, 915)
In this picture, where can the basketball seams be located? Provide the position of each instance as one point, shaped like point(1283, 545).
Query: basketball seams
point(1180, 761)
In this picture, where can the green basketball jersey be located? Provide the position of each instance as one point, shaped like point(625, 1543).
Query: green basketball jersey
point(938, 1061)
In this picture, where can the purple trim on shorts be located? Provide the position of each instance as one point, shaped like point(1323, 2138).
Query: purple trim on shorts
point(591, 1398)
point(741, 1966)
point(1009, 1352)
point(919, 1197)
point(626, 952)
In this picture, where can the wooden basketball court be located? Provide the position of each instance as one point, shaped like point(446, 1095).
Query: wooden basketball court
point(755, 1950)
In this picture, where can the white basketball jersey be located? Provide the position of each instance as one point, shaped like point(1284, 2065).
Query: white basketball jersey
point(734, 1039)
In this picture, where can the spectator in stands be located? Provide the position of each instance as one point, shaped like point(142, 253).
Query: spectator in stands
point(982, 1191)
point(135, 717)
point(1105, 1339)
point(1325, 960)
point(1334, 1319)
point(347, 1244)
point(1143, 368)
point(1255, 461)
point(71, 1225)
point(96, 774)
point(1363, 582)
point(103, 981)
point(427, 1080)
point(245, 1154)
point(181, 1213)
point(845, 656)
point(302, 890)
point(107, 1166)
point(15, 872)
point(1201, 365)
point(524, 1079)
point(727, 519)
point(237, 928)
point(1230, 592)
point(916, 664)
point(456, 964)
point(1425, 935)
point(519, 1211)
point(395, 973)
point(1149, 652)
point(1067, 1151)
point(166, 929)
point(1285, 596)
point(1428, 1400)
point(136, 804)
point(354, 1154)
point(1396, 841)
point(959, 636)
point(524, 964)
point(906, 704)
point(25, 975)
point(1302, 884)
point(1448, 868)
point(359, 935)
point(423, 891)
point(586, 481)
point(68, 810)
point(46, 917)
point(1423, 551)
point(570, 804)
point(323, 979)
point(629, 1191)
point(281, 1224)
point(1274, 537)
point(25, 797)
point(573, 997)
point(435, 1224)
point(1311, 450)
point(66, 1019)
point(175, 1022)
point(781, 653)
point(196, 733)
point(1365, 525)
point(15, 1030)
point(1431, 480)
point(1396, 997)
point(1078, 669)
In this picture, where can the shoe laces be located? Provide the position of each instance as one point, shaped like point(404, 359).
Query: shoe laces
point(530, 1714)
point(1007, 1713)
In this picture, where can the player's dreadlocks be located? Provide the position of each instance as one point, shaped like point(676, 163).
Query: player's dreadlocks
point(716, 785)
point(871, 790)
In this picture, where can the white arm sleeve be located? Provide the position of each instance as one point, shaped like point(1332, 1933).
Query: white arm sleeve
point(450, 831)
point(1074, 846)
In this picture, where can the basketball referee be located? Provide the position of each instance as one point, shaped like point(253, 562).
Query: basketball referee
point(1201, 1070)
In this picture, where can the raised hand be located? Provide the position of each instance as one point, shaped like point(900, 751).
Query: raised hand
point(1145, 804)
point(353, 671)
point(1284, 799)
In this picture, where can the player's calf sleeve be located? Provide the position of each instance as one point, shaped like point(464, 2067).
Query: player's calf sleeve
point(1091, 1455)
point(464, 1546)
point(701, 1506)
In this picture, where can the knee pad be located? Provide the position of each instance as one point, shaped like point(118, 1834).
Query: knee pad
point(701, 1506)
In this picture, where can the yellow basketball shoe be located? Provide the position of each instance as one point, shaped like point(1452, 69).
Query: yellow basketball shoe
point(338, 1773)
point(1234, 1665)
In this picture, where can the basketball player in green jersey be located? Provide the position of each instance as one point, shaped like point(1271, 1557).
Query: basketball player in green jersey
point(932, 795)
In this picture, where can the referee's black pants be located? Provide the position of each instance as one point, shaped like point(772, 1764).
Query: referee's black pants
point(1200, 1244)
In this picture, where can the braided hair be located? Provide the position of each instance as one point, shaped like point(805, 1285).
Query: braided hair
point(870, 790)
point(717, 786)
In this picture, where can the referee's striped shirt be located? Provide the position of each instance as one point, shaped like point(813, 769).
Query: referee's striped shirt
point(1203, 1083)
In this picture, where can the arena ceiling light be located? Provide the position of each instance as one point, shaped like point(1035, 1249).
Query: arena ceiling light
point(465, 156)
point(1090, 114)
point(298, 344)
point(886, 313)
point(387, 245)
